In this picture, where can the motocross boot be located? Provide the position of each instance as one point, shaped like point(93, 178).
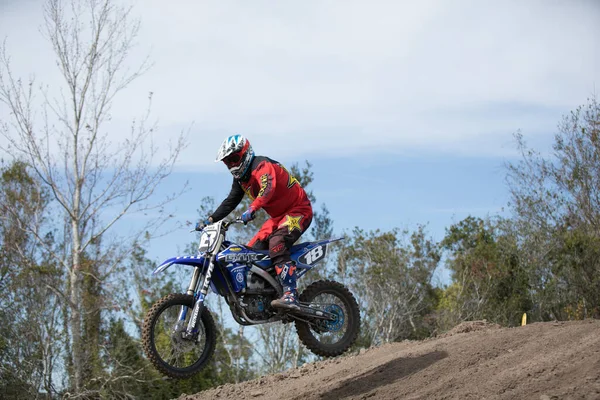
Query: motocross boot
point(286, 273)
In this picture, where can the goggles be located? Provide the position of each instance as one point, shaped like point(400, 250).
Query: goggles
point(233, 159)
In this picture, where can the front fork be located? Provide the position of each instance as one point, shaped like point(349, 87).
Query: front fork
point(192, 326)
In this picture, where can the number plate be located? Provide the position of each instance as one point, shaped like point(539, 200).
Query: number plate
point(208, 239)
point(313, 255)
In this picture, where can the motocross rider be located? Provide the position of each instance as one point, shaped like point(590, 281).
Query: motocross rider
point(273, 189)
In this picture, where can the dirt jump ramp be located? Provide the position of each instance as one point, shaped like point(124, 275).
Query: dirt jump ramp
point(476, 360)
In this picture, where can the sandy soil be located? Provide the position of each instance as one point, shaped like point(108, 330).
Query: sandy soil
point(476, 360)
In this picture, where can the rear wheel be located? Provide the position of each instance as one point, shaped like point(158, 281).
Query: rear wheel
point(164, 341)
point(329, 338)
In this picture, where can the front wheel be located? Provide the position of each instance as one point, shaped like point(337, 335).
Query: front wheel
point(164, 341)
point(329, 338)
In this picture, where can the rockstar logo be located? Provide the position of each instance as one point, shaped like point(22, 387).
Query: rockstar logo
point(248, 191)
point(292, 223)
point(291, 179)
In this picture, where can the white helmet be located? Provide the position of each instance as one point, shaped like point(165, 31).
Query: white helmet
point(237, 154)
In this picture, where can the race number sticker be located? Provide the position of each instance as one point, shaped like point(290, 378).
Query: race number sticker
point(208, 239)
point(313, 255)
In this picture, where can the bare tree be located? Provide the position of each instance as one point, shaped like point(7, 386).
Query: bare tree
point(391, 274)
point(94, 179)
point(279, 346)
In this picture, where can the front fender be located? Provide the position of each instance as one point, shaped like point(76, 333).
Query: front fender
point(195, 261)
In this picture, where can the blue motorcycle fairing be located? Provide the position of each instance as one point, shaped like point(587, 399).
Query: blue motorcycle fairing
point(307, 254)
point(194, 261)
point(238, 259)
point(241, 254)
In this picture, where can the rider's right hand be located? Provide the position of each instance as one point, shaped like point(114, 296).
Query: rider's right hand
point(202, 224)
point(247, 216)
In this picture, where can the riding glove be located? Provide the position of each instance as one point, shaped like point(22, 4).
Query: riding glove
point(248, 215)
point(202, 224)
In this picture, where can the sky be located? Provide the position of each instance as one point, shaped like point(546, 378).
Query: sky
point(406, 109)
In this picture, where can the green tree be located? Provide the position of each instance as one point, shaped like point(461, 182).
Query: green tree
point(390, 272)
point(555, 199)
point(31, 340)
point(488, 282)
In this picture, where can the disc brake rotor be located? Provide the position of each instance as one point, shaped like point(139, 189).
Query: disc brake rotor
point(338, 322)
point(181, 344)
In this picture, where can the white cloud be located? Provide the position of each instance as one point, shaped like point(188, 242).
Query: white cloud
point(340, 77)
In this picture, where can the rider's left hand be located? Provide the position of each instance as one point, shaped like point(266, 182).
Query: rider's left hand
point(248, 215)
point(202, 224)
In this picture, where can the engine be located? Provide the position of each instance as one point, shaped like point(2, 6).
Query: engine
point(255, 282)
point(256, 306)
point(258, 296)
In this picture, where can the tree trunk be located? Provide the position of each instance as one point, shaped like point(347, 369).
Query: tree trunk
point(75, 320)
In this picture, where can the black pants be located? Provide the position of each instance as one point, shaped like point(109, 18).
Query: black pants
point(279, 244)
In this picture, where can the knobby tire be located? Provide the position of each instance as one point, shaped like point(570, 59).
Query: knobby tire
point(175, 299)
point(353, 315)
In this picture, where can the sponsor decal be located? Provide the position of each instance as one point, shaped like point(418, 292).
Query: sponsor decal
point(203, 292)
point(235, 249)
point(265, 185)
point(247, 189)
point(239, 277)
point(291, 179)
point(277, 248)
point(284, 270)
point(292, 223)
point(244, 257)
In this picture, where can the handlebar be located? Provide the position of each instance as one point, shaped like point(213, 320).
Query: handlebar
point(237, 220)
point(226, 224)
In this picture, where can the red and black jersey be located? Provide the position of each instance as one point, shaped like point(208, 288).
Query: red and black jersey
point(269, 185)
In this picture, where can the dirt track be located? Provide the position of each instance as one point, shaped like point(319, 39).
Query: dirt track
point(474, 361)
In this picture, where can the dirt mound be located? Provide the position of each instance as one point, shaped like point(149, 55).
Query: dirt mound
point(474, 361)
point(470, 326)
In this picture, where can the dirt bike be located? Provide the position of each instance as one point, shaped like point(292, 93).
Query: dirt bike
point(179, 333)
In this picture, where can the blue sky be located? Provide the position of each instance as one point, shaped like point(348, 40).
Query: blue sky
point(405, 109)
